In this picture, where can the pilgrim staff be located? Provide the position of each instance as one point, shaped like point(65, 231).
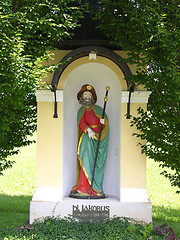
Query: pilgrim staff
point(105, 101)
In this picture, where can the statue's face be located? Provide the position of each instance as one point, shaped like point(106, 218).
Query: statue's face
point(87, 96)
point(87, 99)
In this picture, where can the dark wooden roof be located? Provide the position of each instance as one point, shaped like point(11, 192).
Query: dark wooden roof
point(87, 35)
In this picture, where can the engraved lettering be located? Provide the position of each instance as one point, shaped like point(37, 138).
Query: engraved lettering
point(90, 212)
point(76, 208)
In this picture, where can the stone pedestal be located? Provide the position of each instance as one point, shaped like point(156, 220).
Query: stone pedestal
point(134, 204)
point(84, 210)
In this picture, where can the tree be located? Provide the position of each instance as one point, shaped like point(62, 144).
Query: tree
point(27, 30)
point(149, 31)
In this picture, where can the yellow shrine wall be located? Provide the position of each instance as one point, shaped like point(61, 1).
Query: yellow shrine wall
point(133, 163)
point(49, 145)
point(50, 135)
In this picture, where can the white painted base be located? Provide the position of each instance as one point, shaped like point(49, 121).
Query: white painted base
point(47, 194)
point(141, 211)
point(134, 195)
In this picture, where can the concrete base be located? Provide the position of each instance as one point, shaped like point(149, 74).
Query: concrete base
point(141, 211)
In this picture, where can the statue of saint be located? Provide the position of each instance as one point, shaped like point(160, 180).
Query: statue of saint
point(89, 121)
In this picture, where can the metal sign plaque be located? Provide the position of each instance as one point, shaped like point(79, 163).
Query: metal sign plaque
point(90, 213)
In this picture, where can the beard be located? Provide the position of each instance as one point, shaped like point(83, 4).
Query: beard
point(85, 103)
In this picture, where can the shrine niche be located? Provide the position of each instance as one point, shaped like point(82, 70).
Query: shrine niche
point(92, 146)
point(124, 174)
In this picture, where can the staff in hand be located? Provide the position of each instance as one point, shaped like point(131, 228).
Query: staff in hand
point(97, 150)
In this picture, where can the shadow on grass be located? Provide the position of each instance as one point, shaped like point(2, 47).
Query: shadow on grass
point(167, 215)
point(14, 210)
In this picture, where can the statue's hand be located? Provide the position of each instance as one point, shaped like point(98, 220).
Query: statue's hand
point(90, 133)
point(102, 121)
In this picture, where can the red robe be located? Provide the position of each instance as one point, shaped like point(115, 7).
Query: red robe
point(89, 119)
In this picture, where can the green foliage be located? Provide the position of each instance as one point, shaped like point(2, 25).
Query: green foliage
point(147, 230)
point(149, 31)
point(68, 228)
point(43, 23)
point(17, 101)
point(27, 30)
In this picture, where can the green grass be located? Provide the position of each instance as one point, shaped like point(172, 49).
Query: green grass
point(165, 201)
point(17, 187)
point(18, 184)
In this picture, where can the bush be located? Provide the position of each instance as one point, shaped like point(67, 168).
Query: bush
point(68, 228)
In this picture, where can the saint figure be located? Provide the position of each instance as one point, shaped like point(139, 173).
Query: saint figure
point(89, 121)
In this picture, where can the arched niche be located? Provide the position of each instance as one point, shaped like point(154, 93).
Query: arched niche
point(99, 74)
point(85, 51)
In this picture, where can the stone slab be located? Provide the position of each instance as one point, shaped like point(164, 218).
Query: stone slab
point(90, 209)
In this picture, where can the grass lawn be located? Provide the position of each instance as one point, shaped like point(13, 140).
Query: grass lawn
point(165, 201)
point(18, 184)
point(17, 187)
